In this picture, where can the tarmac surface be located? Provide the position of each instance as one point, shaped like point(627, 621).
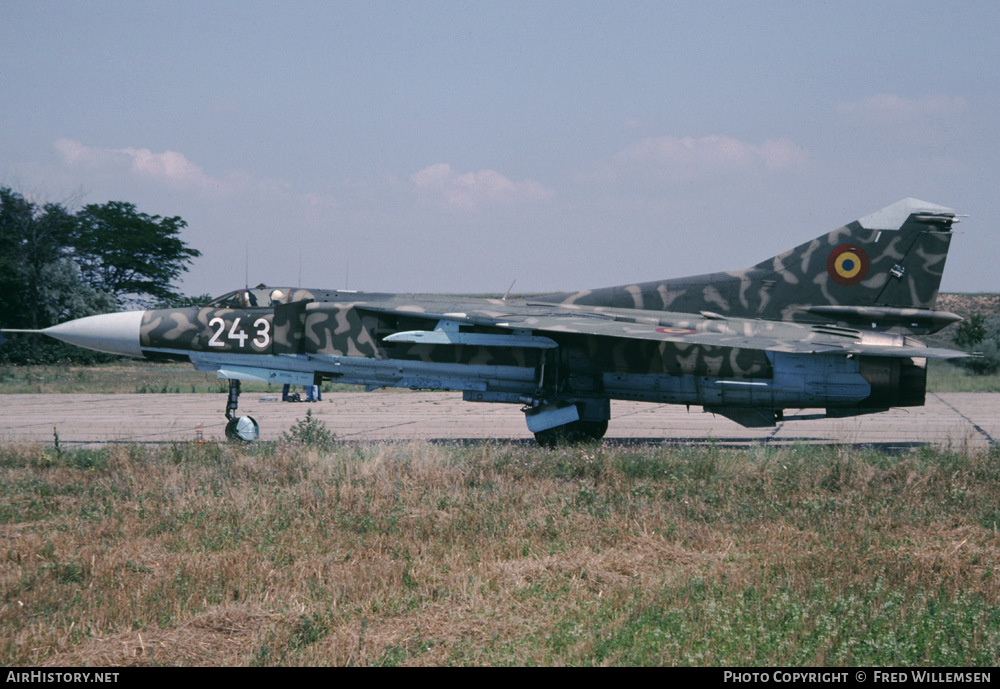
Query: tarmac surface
point(955, 420)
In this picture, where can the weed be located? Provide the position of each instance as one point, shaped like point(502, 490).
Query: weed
point(308, 630)
point(310, 432)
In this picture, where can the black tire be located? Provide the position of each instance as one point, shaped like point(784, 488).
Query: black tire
point(593, 431)
point(572, 433)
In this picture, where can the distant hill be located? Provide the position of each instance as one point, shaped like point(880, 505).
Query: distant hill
point(966, 305)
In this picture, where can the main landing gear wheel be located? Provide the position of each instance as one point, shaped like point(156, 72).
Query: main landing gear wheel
point(244, 429)
point(571, 433)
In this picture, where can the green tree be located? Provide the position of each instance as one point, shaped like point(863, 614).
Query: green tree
point(62, 296)
point(56, 266)
point(40, 285)
point(971, 331)
point(129, 254)
point(974, 333)
point(181, 301)
point(32, 238)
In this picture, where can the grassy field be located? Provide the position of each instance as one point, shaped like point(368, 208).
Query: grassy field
point(944, 377)
point(497, 553)
point(128, 377)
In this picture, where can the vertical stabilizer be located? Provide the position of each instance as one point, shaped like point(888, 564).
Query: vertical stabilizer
point(882, 271)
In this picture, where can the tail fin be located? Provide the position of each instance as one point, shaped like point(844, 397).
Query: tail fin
point(893, 257)
point(881, 272)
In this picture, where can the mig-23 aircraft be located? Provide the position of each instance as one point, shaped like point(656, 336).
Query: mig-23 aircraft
point(830, 324)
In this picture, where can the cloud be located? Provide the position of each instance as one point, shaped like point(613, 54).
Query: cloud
point(174, 172)
point(169, 166)
point(684, 158)
point(472, 190)
point(888, 108)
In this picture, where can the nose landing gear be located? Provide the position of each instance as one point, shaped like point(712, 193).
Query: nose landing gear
point(239, 428)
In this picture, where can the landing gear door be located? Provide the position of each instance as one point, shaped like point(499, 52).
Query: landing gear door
point(289, 328)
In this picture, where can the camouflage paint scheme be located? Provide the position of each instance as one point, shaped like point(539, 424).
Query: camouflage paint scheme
point(842, 309)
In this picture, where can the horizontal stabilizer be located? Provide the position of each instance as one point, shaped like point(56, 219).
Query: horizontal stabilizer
point(886, 316)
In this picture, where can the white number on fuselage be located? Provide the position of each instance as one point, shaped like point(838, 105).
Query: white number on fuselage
point(215, 341)
point(263, 333)
point(237, 334)
point(241, 336)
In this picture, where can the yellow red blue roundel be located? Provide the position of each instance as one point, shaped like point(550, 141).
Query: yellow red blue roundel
point(847, 264)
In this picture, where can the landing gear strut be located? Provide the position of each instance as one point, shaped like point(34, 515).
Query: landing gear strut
point(557, 415)
point(243, 428)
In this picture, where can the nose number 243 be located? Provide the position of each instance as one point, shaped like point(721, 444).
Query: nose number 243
point(261, 340)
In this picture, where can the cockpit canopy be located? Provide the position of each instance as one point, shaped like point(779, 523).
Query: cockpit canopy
point(260, 296)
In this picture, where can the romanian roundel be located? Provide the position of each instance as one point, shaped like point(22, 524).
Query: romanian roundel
point(847, 264)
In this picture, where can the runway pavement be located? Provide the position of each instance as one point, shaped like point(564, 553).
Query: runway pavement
point(957, 420)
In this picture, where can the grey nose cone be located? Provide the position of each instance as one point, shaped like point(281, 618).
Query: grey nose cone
point(114, 333)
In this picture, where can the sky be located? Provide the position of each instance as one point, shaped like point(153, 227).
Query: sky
point(460, 147)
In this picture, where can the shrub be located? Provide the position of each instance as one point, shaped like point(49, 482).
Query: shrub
point(310, 432)
point(986, 364)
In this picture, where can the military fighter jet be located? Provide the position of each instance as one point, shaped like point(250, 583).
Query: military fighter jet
point(829, 324)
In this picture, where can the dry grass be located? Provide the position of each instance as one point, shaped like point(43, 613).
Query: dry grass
point(432, 554)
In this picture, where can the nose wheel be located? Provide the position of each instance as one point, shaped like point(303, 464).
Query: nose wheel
point(242, 429)
point(239, 428)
